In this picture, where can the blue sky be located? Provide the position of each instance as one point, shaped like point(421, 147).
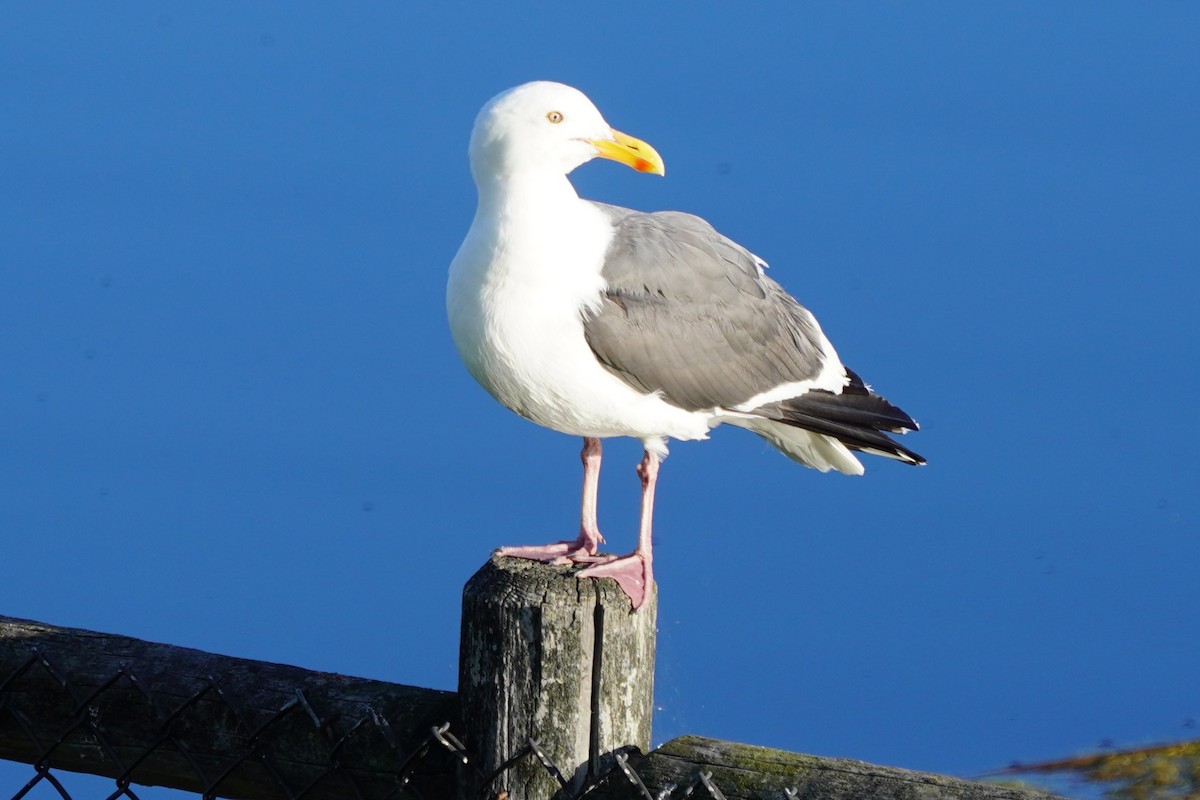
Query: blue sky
point(232, 418)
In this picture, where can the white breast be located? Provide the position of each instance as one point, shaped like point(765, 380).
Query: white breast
point(516, 298)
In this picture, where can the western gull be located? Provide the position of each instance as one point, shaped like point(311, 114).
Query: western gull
point(599, 321)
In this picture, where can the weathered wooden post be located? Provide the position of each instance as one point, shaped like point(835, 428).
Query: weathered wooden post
point(562, 661)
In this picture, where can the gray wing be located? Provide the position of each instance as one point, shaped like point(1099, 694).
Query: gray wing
point(690, 313)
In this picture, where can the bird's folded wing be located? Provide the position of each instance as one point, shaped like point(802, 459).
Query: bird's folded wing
point(690, 313)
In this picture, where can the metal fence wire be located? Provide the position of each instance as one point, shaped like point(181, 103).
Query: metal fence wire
point(290, 752)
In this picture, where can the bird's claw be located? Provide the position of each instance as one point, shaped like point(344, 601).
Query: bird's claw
point(579, 551)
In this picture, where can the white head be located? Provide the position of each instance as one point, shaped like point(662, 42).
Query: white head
point(548, 127)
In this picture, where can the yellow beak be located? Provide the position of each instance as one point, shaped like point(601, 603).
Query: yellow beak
point(631, 152)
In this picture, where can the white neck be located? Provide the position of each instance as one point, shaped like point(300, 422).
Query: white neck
point(526, 190)
point(534, 225)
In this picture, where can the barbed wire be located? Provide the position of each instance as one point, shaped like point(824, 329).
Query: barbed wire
point(417, 771)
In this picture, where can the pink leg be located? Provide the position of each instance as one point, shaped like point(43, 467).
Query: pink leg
point(589, 525)
point(587, 545)
point(634, 573)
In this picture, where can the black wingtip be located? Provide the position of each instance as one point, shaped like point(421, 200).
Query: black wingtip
point(858, 418)
point(895, 451)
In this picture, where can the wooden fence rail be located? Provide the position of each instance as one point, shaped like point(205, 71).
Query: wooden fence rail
point(554, 701)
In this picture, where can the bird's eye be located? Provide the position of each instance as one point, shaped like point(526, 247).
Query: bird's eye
point(555, 117)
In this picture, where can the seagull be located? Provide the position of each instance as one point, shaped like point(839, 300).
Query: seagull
point(599, 321)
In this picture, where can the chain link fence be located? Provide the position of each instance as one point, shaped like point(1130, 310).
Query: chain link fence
point(291, 751)
point(144, 715)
